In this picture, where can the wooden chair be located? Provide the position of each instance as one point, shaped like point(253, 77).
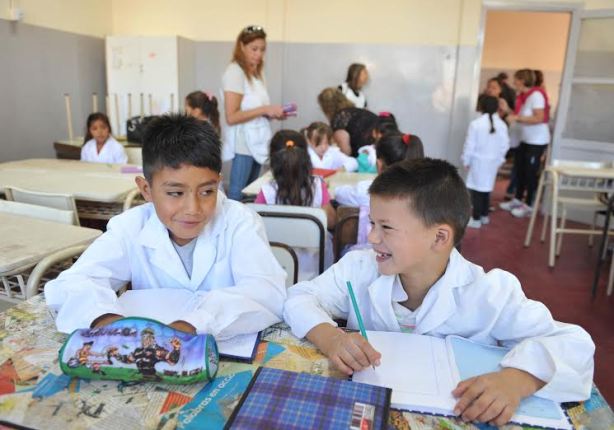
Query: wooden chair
point(49, 200)
point(287, 258)
point(67, 152)
point(346, 229)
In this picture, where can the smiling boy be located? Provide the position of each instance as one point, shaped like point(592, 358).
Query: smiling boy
point(189, 236)
point(415, 281)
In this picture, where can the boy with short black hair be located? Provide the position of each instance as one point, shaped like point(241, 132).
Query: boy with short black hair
point(414, 280)
point(189, 236)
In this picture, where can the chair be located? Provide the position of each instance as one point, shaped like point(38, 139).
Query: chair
point(133, 198)
point(602, 252)
point(346, 228)
point(35, 211)
point(50, 263)
point(287, 258)
point(295, 226)
point(134, 153)
point(67, 152)
point(50, 200)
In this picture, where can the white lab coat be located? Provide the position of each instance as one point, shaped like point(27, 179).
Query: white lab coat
point(112, 152)
point(489, 308)
point(358, 196)
point(484, 152)
point(333, 158)
point(359, 100)
point(237, 292)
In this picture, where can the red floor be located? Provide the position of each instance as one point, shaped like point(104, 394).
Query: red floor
point(564, 289)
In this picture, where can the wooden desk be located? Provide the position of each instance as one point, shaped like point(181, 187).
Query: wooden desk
point(28, 355)
point(333, 181)
point(26, 241)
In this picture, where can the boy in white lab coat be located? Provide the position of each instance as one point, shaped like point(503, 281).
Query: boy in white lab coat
point(414, 280)
point(189, 236)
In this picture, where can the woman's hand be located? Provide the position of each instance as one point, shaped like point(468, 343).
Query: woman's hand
point(275, 112)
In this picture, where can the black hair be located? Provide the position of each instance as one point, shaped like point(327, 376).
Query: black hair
point(436, 192)
point(394, 147)
point(207, 105)
point(291, 168)
point(353, 73)
point(174, 139)
point(91, 119)
point(539, 78)
point(489, 105)
point(386, 123)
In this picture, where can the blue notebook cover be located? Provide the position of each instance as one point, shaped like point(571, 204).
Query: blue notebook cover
point(278, 399)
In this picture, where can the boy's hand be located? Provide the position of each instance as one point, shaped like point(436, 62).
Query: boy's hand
point(105, 319)
point(493, 397)
point(183, 326)
point(349, 352)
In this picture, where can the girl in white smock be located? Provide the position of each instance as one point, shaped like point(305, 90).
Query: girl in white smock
point(99, 145)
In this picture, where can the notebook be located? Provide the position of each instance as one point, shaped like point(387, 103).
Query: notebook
point(423, 370)
point(170, 304)
point(278, 399)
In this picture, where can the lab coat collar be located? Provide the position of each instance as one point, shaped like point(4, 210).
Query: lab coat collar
point(155, 235)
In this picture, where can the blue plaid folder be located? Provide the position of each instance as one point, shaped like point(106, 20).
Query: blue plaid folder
point(278, 399)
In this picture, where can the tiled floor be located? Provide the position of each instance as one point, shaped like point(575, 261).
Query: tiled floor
point(564, 289)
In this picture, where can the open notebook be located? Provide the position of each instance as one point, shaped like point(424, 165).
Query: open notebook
point(423, 370)
point(171, 304)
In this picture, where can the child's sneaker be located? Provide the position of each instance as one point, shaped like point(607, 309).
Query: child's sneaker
point(474, 223)
point(485, 220)
point(512, 204)
point(522, 211)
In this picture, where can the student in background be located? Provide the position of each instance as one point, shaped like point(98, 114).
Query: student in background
point(248, 109)
point(357, 78)
point(485, 147)
point(367, 157)
point(391, 148)
point(415, 281)
point(351, 126)
point(321, 153)
point(99, 146)
point(189, 236)
point(293, 184)
point(203, 106)
point(507, 92)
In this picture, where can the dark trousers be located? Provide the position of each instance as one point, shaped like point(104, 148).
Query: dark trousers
point(511, 188)
point(529, 160)
point(480, 202)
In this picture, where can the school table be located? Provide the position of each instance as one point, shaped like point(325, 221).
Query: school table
point(25, 241)
point(336, 180)
point(34, 393)
point(98, 188)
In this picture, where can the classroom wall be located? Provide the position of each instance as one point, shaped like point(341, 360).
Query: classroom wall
point(39, 65)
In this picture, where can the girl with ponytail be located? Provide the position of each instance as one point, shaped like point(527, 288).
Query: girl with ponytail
point(485, 148)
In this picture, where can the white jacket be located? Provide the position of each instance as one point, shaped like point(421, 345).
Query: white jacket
point(112, 152)
point(236, 279)
point(484, 152)
point(489, 308)
point(333, 158)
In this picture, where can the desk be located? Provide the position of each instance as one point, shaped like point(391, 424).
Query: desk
point(333, 181)
point(26, 241)
point(98, 188)
point(28, 353)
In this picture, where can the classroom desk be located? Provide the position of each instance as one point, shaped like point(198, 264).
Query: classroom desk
point(95, 186)
point(333, 181)
point(29, 348)
point(26, 241)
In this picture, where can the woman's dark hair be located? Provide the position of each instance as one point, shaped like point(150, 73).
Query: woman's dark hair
point(395, 147)
point(539, 78)
point(527, 76)
point(96, 116)
point(207, 105)
point(172, 140)
point(248, 35)
point(386, 123)
point(353, 75)
point(291, 168)
point(489, 105)
point(316, 131)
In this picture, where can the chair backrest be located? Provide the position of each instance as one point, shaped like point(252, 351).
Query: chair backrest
point(67, 152)
point(296, 226)
point(134, 154)
point(346, 228)
point(35, 211)
point(582, 164)
point(49, 200)
point(288, 259)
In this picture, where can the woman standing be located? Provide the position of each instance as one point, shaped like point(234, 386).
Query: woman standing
point(248, 110)
point(356, 79)
point(531, 115)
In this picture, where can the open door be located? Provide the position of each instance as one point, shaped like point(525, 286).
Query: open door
point(584, 129)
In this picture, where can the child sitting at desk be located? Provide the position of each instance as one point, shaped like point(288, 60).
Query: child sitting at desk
point(414, 280)
point(189, 236)
point(322, 155)
point(99, 146)
point(203, 106)
point(294, 184)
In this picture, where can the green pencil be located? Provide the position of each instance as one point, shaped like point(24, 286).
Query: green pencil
point(361, 325)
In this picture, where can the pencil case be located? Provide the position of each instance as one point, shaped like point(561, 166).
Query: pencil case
point(139, 349)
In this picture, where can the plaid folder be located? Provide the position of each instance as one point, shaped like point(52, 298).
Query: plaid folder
point(278, 399)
